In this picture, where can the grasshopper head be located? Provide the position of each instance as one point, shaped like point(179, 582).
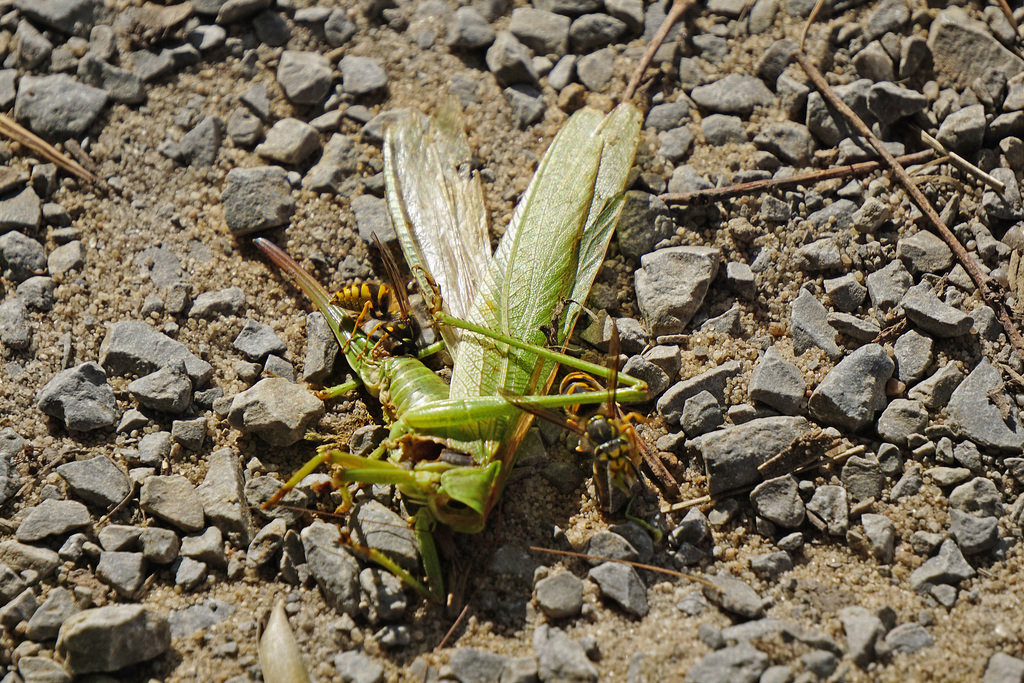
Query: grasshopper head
point(461, 501)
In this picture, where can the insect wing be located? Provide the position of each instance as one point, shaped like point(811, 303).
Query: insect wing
point(437, 207)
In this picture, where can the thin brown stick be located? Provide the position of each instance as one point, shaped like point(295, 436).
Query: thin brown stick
point(675, 13)
point(718, 193)
point(961, 163)
point(639, 565)
point(818, 6)
point(990, 290)
point(455, 625)
point(19, 133)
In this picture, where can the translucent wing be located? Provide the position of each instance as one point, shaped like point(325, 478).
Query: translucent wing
point(437, 206)
point(552, 249)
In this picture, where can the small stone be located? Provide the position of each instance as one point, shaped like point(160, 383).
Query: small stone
point(244, 128)
point(789, 141)
point(778, 383)
point(901, 419)
point(305, 77)
point(732, 455)
point(107, 639)
point(979, 496)
point(526, 103)
point(173, 499)
point(1002, 668)
point(219, 304)
point(963, 130)
point(936, 391)
point(80, 397)
point(881, 536)
point(97, 481)
point(21, 256)
point(189, 573)
point(907, 639)
point(560, 596)
point(914, 354)
point(974, 413)
point(256, 199)
point(46, 621)
point(846, 293)
point(734, 94)
point(207, 547)
point(468, 30)
point(623, 585)
point(122, 571)
point(672, 402)
point(276, 410)
point(37, 292)
point(778, 500)
point(948, 567)
point(925, 253)
point(543, 32)
point(15, 328)
point(559, 657)
point(862, 478)
point(667, 116)
point(809, 326)
point(256, 341)
point(168, 389)
point(223, 495)
point(338, 161)
point(289, 141)
point(644, 221)
point(19, 609)
point(735, 596)
point(52, 518)
point(373, 218)
point(189, 433)
point(671, 285)
point(58, 107)
point(853, 390)
point(362, 75)
point(335, 570)
point(65, 258)
point(872, 214)
point(510, 61)
point(701, 414)
point(339, 29)
point(21, 212)
point(973, 534)
point(770, 566)
point(829, 511)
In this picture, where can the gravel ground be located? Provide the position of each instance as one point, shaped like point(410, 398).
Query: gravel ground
point(812, 319)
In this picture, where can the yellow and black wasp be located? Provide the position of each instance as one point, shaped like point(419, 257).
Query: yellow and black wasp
point(383, 310)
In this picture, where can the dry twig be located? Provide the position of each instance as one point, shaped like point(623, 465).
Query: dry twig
point(678, 9)
point(718, 193)
point(19, 133)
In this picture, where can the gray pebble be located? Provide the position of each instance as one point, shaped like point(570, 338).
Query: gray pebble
point(255, 98)
point(862, 478)
point(335, 570)
point(563, 73)
point(338, 161)
point(871, 215)
point(701, 414)
point(963, 130)
point(21, 257)
point(734, 94)
point(863, 630)
point(623, 585)
point(979, 496)
point(1003, 667)
point(671, 285)
point(41, 561)
point(19, 609)
point(741, 662)
point(80, 397)
point(58, 106)
point(526, 102)
point(160, 546)
point(223, 496)
point(543, 32)
point(809, 326)
point(732, 455)
point(592, 31)
point(219, 304)
point(854, 327)
point(52, 518)
point(845, 292)
point(189, 433)
point(789, 141)
point(276, 410)
point(973, 534)
point(121, 85)
point(256, 199)
point(668, 116)
point(305, 77)
point(266, 543)
point(468, 30)
point(907, 639)
point(837, 215)
point(900, 419)
point(596, 69)
point(560, 596)
point(168, 389)
point(257, 340)
point(271, 28)
point(925, 310)
point(874, 63)
point(559, 657)
point(948, 567)
point(207, 547)
point(722, 130)
point(1007, 204)
point(670, 405)
point(948, 476)
point(829, 511)
point(909, 485)
point(209, 613)
point(382, 529)
point(778, 500)
point(97, 481)
point(966, 454)
point(854, 389)
point(881, 536)
point(820, 121)
point(889, 102)
point(778, 383)
point(973, 414)
point(373, 218)
point(770, 566)
point(37, 292)
point(173, 499)
point(154, 448)
point(606, 544)
point(362, 75)
point(110, 638)
point(936, 391)
point(289, 141)
point(46, 621)
point(189, 573)
point(21, 211)
point(914, 353)
point(122, 571)
point(735, 596)
point(65, 258)
point(644, 222)
point(244, 128)
point(15, 327)
point(675, 144)
point(339, 29)
point(510, 61)
point(207, 37)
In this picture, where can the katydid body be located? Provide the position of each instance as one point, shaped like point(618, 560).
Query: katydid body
point(450, 449)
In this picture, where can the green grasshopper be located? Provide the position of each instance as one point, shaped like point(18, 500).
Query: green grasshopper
point(450, 449)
